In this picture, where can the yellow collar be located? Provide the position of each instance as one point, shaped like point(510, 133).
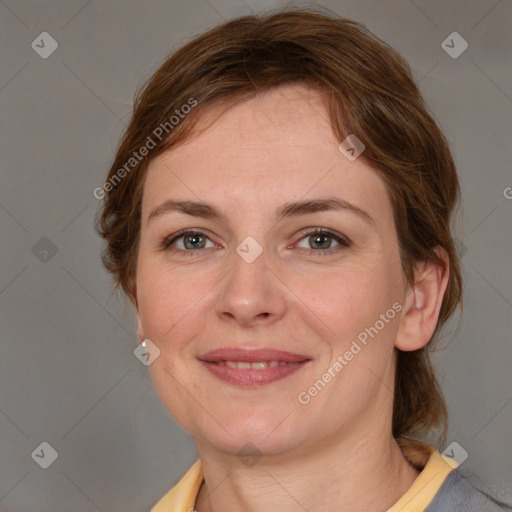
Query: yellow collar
point(182, 497)
point(425, 487)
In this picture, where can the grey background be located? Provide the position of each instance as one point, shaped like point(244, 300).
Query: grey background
point(68, 375)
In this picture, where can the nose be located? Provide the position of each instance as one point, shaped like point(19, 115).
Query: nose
point(251, 293)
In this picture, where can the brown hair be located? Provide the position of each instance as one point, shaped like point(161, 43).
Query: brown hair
point(368, 90)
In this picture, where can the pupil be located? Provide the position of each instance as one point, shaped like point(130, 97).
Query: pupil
point(193, 239)
point(320, 237)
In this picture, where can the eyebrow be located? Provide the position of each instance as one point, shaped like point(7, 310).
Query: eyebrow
point(305, 207)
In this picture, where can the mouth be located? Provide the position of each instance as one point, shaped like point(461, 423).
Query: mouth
point(245, 367)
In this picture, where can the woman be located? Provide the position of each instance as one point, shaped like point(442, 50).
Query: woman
point(278, 212)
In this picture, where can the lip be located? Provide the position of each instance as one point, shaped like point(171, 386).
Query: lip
point(249, 376)
point(251, 355)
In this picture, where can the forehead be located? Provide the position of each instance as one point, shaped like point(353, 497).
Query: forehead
point(275, 147)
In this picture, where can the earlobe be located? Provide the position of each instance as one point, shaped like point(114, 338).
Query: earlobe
point(423, 304)
point(140, 329)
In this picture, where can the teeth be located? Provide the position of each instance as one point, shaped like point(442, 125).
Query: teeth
point(259, 365)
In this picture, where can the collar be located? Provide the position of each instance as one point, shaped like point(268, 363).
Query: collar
point(436, 467)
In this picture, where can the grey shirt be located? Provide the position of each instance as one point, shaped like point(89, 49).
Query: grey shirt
point(457, 494)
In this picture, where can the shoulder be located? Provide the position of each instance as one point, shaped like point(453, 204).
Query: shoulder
point(444, 486)
point(457, 493)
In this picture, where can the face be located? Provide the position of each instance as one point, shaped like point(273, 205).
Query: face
point(275, 320)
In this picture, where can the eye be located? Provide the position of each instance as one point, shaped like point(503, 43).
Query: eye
point(320, 241)
point(186, 241)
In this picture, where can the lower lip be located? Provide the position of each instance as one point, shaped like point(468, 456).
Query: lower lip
point(249, 377)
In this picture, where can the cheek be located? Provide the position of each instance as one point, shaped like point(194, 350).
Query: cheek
point(165, 298)
point(349, 299)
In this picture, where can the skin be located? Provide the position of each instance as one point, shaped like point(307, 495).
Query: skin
point(337, 452)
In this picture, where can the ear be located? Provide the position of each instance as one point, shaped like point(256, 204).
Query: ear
point(423, 303)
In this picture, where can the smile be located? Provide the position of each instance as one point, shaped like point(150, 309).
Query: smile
point(258, 365)
point(245, 367)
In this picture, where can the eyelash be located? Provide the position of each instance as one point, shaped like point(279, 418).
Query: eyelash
point(343, 241)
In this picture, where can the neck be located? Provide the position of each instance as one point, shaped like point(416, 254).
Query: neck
point(361, 472)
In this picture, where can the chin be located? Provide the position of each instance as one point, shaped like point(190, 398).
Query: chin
point(250, 435)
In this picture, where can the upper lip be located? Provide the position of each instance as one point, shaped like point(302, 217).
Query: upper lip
point(251, 355)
